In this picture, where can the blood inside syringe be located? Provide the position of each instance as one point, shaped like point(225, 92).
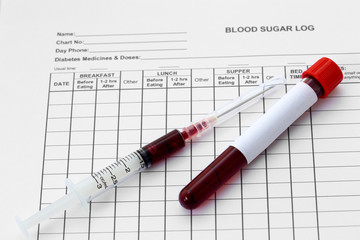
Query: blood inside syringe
point(174, 141)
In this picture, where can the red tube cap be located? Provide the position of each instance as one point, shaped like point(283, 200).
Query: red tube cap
point(327, 73)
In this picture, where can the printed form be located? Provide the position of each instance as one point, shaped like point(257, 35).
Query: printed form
point(85, 83)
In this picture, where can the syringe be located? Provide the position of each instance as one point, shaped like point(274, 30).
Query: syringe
point(110, 176)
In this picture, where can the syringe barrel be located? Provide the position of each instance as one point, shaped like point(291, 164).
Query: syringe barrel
point(111, 176)
point(137, 161)
point(99, 182)
point(134, 163)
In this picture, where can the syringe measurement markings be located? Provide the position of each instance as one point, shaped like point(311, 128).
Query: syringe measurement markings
point(127, 169)
point(126, 158)
point(113, 176)
point(109, 170)
point(92, 175)
point(100, 175)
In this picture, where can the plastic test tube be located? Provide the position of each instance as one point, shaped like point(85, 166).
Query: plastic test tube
point(110, 176)
point(318, 81)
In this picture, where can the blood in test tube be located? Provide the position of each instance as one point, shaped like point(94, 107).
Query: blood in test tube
point(322, 78)
point(212, 178)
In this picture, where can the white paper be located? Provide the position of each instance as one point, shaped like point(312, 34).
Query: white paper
point(306, 184)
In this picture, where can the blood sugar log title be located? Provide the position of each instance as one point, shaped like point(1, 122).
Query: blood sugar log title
point(286, 28)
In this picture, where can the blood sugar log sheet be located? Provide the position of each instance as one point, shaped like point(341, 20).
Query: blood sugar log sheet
point(85, 83)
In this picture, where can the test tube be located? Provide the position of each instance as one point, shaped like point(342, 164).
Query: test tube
point(318, 81)
point(110, 176)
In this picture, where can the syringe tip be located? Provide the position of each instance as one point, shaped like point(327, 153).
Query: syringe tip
point(198, 127)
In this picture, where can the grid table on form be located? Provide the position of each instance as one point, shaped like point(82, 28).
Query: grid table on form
point(297, 189)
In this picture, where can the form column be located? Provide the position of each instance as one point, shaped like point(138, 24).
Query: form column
point(81, 150)
point(302, 168)
point(228, 198)
point(152, 184)
point(254, 177)
point(278, 162)
point(56, 149)
point(203, 222)
point(105, 150)
point(129, 140)
point(177, 166)
point(336, 140)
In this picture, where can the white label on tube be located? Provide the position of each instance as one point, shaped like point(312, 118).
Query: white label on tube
point(274, 122)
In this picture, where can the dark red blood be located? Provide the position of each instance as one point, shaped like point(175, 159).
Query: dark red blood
point(212, 178)
point(163, 146)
